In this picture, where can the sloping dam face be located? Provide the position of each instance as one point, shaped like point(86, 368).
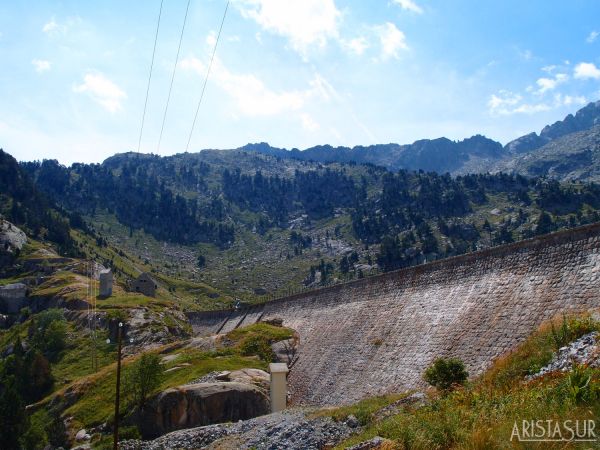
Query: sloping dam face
point(379, 334)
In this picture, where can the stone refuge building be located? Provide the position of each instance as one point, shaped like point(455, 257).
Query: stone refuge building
point(106, 283)
point(144, 284)
point(12, 298)
point(379, 334)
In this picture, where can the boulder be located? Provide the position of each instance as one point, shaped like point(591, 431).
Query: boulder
point(255, 377)
point(201, 404)
point(11, 238)
point(82, 435)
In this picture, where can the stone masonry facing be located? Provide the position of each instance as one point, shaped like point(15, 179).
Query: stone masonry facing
point(379, 334)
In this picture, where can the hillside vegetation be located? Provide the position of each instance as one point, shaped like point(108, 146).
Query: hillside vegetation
point(482, 414)
point(254, 225)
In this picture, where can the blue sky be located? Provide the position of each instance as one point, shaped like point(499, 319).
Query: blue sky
point(294, 73)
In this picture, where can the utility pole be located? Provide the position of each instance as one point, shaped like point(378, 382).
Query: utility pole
point(116, 425)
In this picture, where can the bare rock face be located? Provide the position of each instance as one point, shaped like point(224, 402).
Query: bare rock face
point(11, 237)
point(202, 404)
point(12, 240)
point(256, 377)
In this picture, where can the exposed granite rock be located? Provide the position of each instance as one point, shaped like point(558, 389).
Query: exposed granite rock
point(201, 404)
point(11, 237)
point(585, 350)
point(255, 377)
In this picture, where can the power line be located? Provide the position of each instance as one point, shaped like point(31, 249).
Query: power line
point(207, 74)
point(150, 75)
point(173, 77)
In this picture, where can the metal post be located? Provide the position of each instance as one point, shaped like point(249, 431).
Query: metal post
point(116, 425)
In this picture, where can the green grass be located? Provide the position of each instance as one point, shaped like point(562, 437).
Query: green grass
point(76, 360)
point(482, 414)
point(364, 410)
point(65, 284)
point(96, 402)
point(261, 330)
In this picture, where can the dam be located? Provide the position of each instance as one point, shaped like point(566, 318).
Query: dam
point(378, 334)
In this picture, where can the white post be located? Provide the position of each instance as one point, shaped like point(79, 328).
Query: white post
point(279, 373)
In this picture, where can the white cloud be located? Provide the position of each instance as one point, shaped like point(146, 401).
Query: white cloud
point(308, 123)
point(50, 26)
point(569, 100)
point(54, 28)
point(409, 5)
point(587, 70)
point(531, 108)
point(392, 40)
point(507, 103)
point(211, 39)
point(504, 102)
point(102, 91)
point(357, 45)
point(549, 69)
point(527, 55)
point(549, 84)
point(41, 65)
point(306, 23)
point(592, 37)
point(251, 95)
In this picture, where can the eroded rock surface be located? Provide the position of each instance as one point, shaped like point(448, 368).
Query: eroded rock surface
point(202, 404)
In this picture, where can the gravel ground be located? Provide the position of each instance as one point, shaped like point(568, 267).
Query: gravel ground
point(210, 377)
point(290, 430)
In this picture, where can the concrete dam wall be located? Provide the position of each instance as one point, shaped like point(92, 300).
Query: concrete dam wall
point(379, 334)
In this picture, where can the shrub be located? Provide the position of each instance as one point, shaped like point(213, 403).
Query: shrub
point(257, 345)
point(143, 377)
point(444, 374)
point(48, 331)
point(55, 337)
point(25, 313)
point(45, 318)
point(571, 330)
point(40, 376)
point(56, 431)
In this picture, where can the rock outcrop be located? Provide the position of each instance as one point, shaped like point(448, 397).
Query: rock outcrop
point(202, 404)
point(12, 240)
point(11, 237)
point(583, 351)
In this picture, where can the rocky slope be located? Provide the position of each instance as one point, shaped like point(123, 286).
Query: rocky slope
point(572, 157)
point(551, 152)
point(291, 430)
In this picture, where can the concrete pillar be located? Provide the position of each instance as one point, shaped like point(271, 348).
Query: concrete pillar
point(106, 282)
point(279, 373)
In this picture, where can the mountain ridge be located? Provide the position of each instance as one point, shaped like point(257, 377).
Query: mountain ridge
point(476, 154)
